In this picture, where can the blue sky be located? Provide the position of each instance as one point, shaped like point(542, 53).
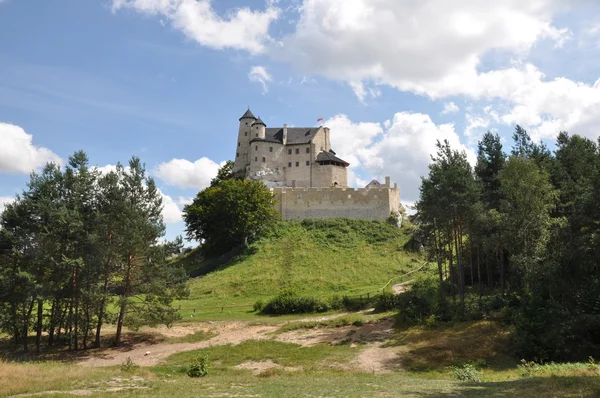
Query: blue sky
point(167, 80)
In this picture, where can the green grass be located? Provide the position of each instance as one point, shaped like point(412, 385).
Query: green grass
point(224, 358)
point(324, 370)
point(320, 258)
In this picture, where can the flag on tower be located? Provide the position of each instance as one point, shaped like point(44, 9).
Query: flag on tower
point(320, 119)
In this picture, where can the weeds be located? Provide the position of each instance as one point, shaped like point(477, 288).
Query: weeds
point(129, 365)
point(199, 367)
point(466, 372)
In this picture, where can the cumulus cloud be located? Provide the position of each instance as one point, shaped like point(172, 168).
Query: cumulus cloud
point(259, 74)
point(18, 154)
point(410, 45)
point(243, 29)
point(400, 148)
point(171, 211)
point(185, 174)
point(450, 107)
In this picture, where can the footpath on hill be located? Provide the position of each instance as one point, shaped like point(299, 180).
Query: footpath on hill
point(372, 357)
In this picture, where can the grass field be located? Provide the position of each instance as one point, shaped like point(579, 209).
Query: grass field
point(424, 357)
point(321, 258)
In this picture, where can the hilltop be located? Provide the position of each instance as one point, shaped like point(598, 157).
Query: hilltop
point(317, 257)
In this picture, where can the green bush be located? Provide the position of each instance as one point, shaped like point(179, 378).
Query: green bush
point(419, 303)
point(386, 301)
point(200, 366)
point(290, 302)
point(466, 372)
point(258, 306)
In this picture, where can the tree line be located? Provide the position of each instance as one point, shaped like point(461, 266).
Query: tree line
point(523, 226)
point(79, 249)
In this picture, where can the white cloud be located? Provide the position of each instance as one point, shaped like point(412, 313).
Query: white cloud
point(171, 210)
point(450, 107)
point(411, 45)
point(362, 92)
point(400, 149)
point(185, 174)
point(18, 154)
point(4, 200)
point(259, 74)
point(242, 29)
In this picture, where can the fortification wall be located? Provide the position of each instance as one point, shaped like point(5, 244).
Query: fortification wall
point(323, 203)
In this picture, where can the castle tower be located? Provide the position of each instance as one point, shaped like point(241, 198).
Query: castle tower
point(259, 129)
point(242, 160)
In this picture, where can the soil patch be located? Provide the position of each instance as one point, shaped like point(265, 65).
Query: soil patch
point(260, 367)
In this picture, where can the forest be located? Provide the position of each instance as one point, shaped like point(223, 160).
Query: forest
point(518, 235)
point(79, 249)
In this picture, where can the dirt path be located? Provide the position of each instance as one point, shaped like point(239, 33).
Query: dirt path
point(372, 358)
point(401, 287)
point(152, 354)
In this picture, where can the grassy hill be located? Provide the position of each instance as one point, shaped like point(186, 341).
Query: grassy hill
point(320, 257)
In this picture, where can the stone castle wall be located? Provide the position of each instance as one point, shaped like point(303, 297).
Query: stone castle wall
point(322, 203)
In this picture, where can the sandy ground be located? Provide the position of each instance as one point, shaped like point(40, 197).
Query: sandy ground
point(371, 357)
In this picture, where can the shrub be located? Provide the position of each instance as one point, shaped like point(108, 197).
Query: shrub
point(386, 301)
point(199, 368)
point(528, 369)
point(258, 306)
point(466, 372)
point(129, 365)
point(419, 303)
point(290, 302)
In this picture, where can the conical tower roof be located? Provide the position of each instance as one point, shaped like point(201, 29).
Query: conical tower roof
point(258, 121)
point(248, 115)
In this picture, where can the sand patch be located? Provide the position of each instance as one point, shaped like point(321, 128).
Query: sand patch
point(260, 367)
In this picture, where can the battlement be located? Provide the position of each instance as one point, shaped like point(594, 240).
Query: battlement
point(373, 203)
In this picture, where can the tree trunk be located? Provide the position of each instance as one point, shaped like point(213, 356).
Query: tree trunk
point(501, 253)
point(452, 276)
point(25, 326)
point(490, 276)
point(126, 293)
point(76, 317)
point(52, 323)
point(86, 328)
point(479, 275)
point(459, 262)
point(471, 262)
point(101, 313)
point(40, 318)
point(438, 249)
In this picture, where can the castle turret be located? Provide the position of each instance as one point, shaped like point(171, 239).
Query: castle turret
point(258, 129)
point(243, 143)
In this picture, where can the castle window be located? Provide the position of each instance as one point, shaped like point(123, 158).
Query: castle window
point(308, 150)
point(289, 151)
point(246, 133)
point(270, 149)
point(256, 147)
point(239, 144)
point(297, 151)
point(257, 135)
point(264, 160)
point(246, 125)
point(256, 159)
point(237, 155)
point(307, 163)
point(297, 164)
point(289, 164)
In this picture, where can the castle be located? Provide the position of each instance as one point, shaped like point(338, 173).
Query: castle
point(306, 175)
